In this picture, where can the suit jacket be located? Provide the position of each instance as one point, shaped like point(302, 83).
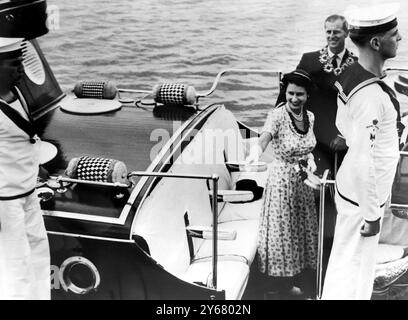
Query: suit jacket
point(323, 100)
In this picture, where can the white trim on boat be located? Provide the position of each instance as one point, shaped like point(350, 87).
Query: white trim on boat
point(74, 235)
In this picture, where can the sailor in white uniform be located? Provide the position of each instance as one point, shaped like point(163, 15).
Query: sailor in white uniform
point(24, 248)
point(368, 118)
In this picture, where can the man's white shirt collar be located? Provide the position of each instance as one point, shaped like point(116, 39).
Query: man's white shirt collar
point(339, 55)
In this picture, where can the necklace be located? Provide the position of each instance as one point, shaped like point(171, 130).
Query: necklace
point(297, 117)
point(327, 63)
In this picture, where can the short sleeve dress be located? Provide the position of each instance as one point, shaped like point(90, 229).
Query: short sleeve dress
point(288, 232)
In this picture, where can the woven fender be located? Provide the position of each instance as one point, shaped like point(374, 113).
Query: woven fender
point(97, 169)
point(174, 94)
point(95, 89)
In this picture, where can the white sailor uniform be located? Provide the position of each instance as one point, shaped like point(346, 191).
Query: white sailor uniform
point(24, 248)
point(364, 180)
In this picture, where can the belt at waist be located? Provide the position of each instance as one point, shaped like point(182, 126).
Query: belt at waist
point(17, 196)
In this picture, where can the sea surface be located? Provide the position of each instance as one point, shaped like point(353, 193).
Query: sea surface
point(138, 44)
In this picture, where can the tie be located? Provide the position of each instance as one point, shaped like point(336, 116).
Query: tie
point(334, 61)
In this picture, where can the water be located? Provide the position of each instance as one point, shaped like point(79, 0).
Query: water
point(141, 43)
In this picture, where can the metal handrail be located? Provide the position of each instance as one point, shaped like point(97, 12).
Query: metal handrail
point(223, 72)
point(61, 179)
point(214, 179)
point(319, 278)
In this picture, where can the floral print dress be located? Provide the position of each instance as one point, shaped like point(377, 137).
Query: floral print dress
point(288, 232)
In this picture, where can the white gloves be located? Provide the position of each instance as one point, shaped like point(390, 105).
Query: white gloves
point(254, 154)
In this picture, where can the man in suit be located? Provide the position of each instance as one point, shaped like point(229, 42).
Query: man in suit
point(325, 66)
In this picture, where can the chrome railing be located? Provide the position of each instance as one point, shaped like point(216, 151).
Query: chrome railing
point(245, 71)
point(319, 279)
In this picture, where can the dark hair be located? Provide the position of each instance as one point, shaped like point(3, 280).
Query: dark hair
point(299, 77)
point(335, 17)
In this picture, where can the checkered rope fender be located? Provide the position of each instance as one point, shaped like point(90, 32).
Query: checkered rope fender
point(97, 169)
point(174, 94)
point(95, 90)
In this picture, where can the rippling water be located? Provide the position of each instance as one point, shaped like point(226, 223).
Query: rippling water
point(140, 43)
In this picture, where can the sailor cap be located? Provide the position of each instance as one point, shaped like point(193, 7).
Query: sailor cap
point(373, 19)
point(10, 44)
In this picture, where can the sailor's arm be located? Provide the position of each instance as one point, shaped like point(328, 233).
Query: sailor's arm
point(366, 121)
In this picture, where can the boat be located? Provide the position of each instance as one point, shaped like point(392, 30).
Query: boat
point(175, 227)
point(140, 198)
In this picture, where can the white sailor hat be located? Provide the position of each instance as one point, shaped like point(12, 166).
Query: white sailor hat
point(373, 19)
point(10, 44)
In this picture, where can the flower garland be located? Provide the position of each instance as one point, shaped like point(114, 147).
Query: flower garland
point(325, 60)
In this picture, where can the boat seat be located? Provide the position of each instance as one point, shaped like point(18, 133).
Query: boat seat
point(233, 195)
point(167, 224)
point(243, 211)
point(232, 275)
point(245, 244)
point(244, 219)
point(206, 232)
point(234, 256)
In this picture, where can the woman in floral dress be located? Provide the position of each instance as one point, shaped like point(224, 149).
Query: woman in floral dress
point(288, 232)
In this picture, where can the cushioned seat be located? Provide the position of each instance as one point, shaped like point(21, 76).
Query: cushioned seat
point(245, 245)
point(176, 205)
point(232, 276)
point(243, 211)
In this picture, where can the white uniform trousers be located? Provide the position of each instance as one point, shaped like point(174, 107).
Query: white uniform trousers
point(351, 269)
point(24, 250)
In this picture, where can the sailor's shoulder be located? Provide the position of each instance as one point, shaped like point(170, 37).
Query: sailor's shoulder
point(371, 94)
point(370, 91)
